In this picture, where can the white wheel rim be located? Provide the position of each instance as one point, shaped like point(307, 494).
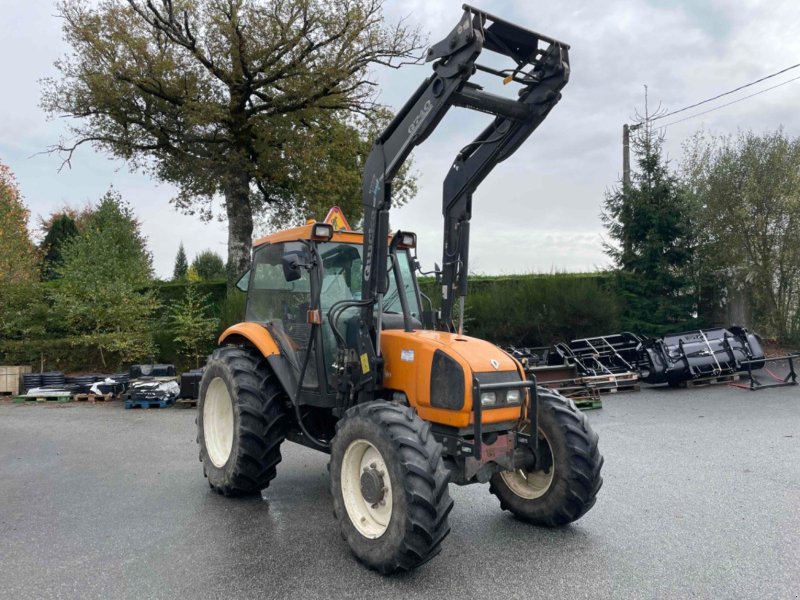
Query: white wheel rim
point(370, 520)
point(218, 422)
point(531, 485)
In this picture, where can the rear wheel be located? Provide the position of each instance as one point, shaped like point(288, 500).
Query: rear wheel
point(564, 485)
point(241, 421)
point(389, 486)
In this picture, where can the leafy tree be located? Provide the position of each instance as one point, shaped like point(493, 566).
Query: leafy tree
point(62, 229)
point(24, 310)
point(649, 223)
point(111, 246)
point(748, 207)
point(209, 265)
point(336, 180)
point(192, 276)
point(181, 264)
point(100, 288)
point(260, 101)
point(18, 258)
point(192, 324)
point(78, 214)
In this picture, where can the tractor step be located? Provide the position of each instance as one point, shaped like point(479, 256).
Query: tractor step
point(149, 403)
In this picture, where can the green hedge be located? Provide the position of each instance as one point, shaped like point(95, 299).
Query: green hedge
point(227, 306)
point(68, 354)
point(517, 309)
point(537, 309)
point(169, 292)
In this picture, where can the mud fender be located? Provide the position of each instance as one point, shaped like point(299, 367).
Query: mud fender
point(259, 337)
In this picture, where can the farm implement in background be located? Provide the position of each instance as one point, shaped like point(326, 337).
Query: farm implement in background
point(585, 368)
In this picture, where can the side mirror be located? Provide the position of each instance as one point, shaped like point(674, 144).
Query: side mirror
point(291, 267)
point(295, 256)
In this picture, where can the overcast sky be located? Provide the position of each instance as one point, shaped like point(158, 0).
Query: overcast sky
point(538, 211)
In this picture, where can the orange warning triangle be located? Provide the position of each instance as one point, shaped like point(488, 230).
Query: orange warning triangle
point(337, 219)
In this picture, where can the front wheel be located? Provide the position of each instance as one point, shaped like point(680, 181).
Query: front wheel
point(389, 486)
point(564, 485)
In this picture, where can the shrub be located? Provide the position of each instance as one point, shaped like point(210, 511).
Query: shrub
point(541, 309)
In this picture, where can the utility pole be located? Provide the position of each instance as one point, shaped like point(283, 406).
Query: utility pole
point(626, 156)
point(626, 152)
point(626, 142)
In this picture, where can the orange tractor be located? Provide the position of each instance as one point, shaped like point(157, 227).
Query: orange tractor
point(338, 352)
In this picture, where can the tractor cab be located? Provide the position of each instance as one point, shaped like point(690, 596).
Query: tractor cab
point(312, 275)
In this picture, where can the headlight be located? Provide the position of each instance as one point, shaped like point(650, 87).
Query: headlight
point(488, 399)
point(512, 397)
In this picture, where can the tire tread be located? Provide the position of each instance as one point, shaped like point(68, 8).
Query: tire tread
point(425, 485)
point(584, 463)
point(259, 399)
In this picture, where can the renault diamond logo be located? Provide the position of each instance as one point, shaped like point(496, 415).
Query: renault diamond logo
point(495, 364)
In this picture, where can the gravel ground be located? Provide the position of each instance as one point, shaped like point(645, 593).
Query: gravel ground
point(701, 500)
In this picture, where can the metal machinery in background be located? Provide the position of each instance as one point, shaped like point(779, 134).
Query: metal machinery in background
point(672, 359)
point(601, 355)
point(680, 357)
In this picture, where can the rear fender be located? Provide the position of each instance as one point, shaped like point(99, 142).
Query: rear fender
point(258, 337)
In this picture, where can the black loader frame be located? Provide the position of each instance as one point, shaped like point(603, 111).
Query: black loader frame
point(541, 68)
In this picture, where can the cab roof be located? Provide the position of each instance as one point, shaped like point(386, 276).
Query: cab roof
point(304, 233)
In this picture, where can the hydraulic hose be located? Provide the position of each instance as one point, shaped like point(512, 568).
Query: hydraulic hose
point(322, 445)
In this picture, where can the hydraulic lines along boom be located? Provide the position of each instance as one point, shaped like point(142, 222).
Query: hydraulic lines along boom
point(541, 68)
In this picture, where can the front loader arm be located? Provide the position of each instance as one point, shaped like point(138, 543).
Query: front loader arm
point(455, 58)
point(541, 72)
point(548, 74)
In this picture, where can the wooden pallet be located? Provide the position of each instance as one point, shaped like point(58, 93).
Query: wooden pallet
point(187, 402)
point(588, 403)
point(718, 380)
point(61, 398)
point(618, 379)
point(93, 397)
point(619, 390)
point(149, 403)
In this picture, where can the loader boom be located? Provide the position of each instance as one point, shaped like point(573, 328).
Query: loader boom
point(540, 67)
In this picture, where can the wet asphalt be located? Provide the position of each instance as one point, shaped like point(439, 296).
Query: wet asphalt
point(701, 500)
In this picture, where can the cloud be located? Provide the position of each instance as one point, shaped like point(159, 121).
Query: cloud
point(537, 211)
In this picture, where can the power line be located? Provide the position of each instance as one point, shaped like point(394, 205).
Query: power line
point(728, 103)
point(718, 96)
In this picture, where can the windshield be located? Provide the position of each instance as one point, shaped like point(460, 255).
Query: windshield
point(342, 281)
point(342, 278)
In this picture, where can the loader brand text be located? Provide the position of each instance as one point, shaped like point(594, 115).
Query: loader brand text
point(426, 109)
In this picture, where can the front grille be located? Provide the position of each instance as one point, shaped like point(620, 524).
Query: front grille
point(447, 382)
